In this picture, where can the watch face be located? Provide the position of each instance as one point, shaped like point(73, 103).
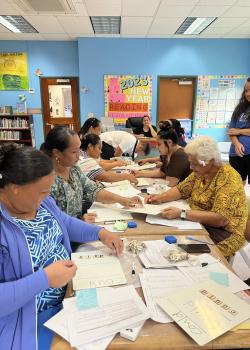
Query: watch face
point(183, 214)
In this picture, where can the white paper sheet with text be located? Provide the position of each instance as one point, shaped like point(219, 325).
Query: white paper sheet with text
point(100, 268)
point(205, 311)
point(178, 223)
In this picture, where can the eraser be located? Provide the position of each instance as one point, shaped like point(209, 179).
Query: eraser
point(170, 239)
point(132, 333)
point(132, 224)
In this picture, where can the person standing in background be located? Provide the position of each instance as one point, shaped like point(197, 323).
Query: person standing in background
point(239, 134)
point(146, 129)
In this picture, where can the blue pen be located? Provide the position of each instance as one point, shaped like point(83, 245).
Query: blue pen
point(198, 240)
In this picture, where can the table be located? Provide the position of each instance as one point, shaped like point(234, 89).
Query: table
point(156, 336)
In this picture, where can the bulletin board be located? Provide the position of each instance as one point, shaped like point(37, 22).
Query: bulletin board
point(127, 96)
point(216, 99)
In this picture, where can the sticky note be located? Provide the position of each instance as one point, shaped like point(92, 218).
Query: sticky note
point(220, 278)
point(86, 299)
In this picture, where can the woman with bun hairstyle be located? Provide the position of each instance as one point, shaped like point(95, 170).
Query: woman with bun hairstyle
point(35, 236)
point(72, 190)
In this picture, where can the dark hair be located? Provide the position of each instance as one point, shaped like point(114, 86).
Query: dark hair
point(146, 116)
point(242, 105)
point(169, 134)
point(57, 138)
point(90, 139)
point(165, 125)
point(94, 122)
point(22, 165)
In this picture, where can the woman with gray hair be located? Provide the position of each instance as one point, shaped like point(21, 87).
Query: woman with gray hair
point(215, 193)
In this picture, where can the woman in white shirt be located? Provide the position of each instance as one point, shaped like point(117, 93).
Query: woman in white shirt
point(91, 148)
point(118, 142)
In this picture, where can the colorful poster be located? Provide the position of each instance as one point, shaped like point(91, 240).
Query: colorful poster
point(13, 71)
point(127, 96)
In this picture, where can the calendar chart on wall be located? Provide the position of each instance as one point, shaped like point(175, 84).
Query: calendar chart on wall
point(216, 99)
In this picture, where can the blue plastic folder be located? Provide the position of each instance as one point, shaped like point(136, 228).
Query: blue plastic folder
point(86, 299)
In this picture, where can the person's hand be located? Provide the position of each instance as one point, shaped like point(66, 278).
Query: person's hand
point(60, 273)
point(111, 240)
point(143, 161)
point(131, 177)
point(234, 132)
point(120, 162)
point(153, 199)
point(131, 202)
point(136, 173)
point(171, 213)
point(239, 149)
point(89, 218)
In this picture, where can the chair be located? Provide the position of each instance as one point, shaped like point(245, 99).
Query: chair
point(134, 122)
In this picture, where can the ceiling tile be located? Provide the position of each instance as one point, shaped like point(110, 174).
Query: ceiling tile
point(3, 29)
point(135, 25)
point(218, 30)
point(169, 11)
point(165, 25)
point(235, 11)
point(241, 30)
point(7, 9)
point(8, 36)
point(226, 21)
point(103, 8)
point(80, 9)
point(29, 36)
point(72, 24)
point(208, 11)
point(208, 36)
point(216, 2)
point(236, 36)
point(76, 36)
point(56, 36)
point(179, 2)
point(142, 8)
point(45, 24)
point(242, 3)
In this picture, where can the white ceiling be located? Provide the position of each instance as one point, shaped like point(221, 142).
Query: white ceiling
point(139, 18)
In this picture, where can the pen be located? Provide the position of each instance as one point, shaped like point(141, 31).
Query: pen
point(109, 222)
point(133, 268)
point(198, 240)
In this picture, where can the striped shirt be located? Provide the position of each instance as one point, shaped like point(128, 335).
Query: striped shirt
point(89, 166)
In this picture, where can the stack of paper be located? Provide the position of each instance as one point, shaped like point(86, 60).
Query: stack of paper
point(98, 268)
point(178, 223)
point(157, 283)
point(205, 311)
point(115, 184)
point(152, 256)
point(117, 310)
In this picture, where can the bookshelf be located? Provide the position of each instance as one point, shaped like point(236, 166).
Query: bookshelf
point(17, 128)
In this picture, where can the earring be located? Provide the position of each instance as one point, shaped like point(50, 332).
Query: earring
point(57, 160)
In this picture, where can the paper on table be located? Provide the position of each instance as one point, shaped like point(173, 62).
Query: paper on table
point(202, 274)
point(152, 256)
point(119, 309)
point(142, 181)
point(153, 209)
point(125, 190)
point(106, 214)
point(158, 283)
point(178, 223)
point(205, 311)
point(97, 269)
point(136, 166)
point(115, 184)
point(58, 324)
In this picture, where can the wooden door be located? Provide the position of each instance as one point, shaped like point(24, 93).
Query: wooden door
point(176, 97)
point(60, 103)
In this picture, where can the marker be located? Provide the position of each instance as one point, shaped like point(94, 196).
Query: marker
point(133, 268)
point(198, 240)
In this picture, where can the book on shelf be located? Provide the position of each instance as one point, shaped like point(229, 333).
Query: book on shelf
point(6, 110)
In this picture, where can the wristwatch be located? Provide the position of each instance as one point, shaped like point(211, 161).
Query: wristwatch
point(183, 214)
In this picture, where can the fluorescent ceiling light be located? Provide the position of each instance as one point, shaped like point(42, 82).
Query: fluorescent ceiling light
point(17, 24)
point(195, 25)
point(106, 24)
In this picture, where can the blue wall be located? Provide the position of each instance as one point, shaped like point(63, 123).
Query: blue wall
point(98, 56)
point(57, 58)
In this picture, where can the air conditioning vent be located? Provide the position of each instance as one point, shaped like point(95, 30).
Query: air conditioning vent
point(46, 6)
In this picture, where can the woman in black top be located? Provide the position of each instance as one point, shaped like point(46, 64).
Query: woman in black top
point(146, 129)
